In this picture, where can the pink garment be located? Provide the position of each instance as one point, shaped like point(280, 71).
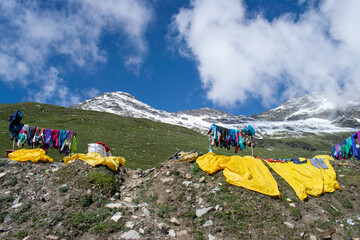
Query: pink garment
point(55, 137)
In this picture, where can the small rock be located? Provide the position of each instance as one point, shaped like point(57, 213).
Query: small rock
point(52, 237)
point(302, 234)
point(168, 173)
point(320, 230)
point(175, 221)
point(312, 237)
point(350, 222)
point(141, 230)
point(202, 211)
point(17, 205)
point(188, 176)
point(172, 233)
point(342, 225)
point(188, 198)
point(128, 199)
point(215, 189)
point(130, 225)
point(217, 207)
point(17, 200)
point(146, 212)
point(112, 199)
point(116, 217)
point(167, 179)
point(197, 185)
point(88, 192)
point(168, 191)
point(341, 175)
point(211, 237)
point(140, 205)
point(182, 233)
point(163, 228)
point(64, 185)
point(7, 192)
point(3, 174)
point(187, 183)
point(200, 200)
point(327, 236)
point(202, 179)
point(288, 199)
point(289, 225)
point(208, 223)
point(292, 204)
point(114, 205)
point(132, 234)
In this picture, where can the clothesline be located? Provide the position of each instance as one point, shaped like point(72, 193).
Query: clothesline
point(64, 140)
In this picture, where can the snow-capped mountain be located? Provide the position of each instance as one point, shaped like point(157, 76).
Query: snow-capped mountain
point(309, 113)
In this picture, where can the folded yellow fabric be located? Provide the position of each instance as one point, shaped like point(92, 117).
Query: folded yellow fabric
point(247, 172)
point(33, 155)
point(306, 179)
point(95, 159)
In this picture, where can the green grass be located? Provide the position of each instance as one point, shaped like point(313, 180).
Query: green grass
point(144, 143)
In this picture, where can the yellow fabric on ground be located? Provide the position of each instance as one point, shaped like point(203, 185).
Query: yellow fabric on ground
point(95, 159)
point(247, 172)
point(33, 155)
point(306, 179)
point(325, 157)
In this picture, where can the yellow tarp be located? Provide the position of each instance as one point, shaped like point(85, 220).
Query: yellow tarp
point(306, 179)
point(33, 155)
point(247, 172)
point(95, 159)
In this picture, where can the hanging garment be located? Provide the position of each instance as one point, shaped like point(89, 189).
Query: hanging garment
point(22, 137)
point(48, 138)
point(30, 135)
point(14, 124)
point(55, 137)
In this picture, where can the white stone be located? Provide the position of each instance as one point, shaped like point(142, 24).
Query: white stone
point(17, 205)
point(128, 199)
point(202, 179)
point(172, 233)
point(130, 224)
point(175, 221)
point(168, 191)
point(288, 199)
point(187, 183)
point(132, 234)
point(166, 180)
point(2, 174)
point(182, 233)
point(142, 204)
point(114, 205)
point(289, 225)
point(168, 173)
point(208, 223)
point(200, 200)
point(211, 237)
point(116, 217)
point(292, 204)
point(197, 185)
point(312, 237)
point(188, 198)
point(188, 176)
point(217, 207)
point(141, 230)
point(146, 212)
point(202, 211)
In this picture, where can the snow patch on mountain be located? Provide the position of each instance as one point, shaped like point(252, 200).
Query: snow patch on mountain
point(308, 113)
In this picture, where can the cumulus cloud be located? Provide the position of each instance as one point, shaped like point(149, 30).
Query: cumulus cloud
point(240, 58)
point(35, 33)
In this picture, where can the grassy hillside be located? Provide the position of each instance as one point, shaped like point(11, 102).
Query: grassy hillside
point(144, 143)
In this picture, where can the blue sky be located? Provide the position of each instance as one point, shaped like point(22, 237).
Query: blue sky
point(242, 57)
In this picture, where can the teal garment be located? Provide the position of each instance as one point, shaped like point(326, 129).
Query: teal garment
point(349, 147)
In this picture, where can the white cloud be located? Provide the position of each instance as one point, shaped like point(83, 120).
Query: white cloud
point(33, 33)
point(240, 58)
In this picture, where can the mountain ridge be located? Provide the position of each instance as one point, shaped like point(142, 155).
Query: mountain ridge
point(307, 113)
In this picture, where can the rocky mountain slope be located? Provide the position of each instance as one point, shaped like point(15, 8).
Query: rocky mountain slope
point(309, 113)
point(176, 200)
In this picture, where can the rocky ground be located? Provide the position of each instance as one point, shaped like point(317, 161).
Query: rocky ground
point(177, 200)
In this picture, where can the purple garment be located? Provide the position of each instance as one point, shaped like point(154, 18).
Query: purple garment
point(48, 137)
